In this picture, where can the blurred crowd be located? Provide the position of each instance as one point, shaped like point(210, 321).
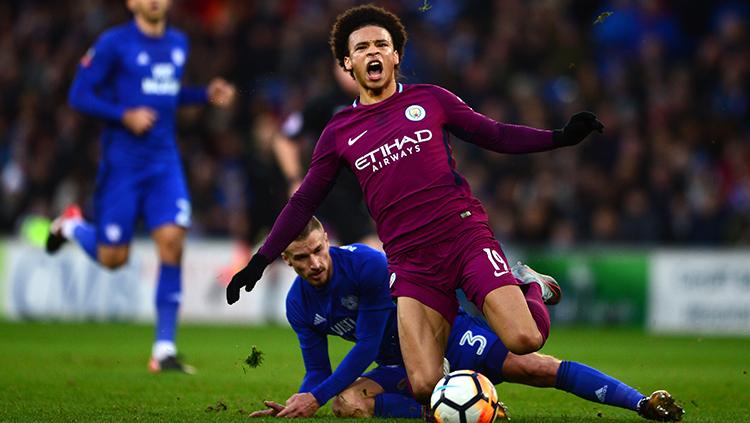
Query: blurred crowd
point(670, 83)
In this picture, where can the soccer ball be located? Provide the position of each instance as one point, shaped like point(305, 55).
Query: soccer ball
point(465, 396)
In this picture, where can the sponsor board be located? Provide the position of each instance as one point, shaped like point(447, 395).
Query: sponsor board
point(700, 291)
point(70, 286)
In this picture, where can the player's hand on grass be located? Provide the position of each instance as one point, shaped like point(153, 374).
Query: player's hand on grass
point(300, 405)
point(246, 278)
point(578, 127)
point(273, 409)
point(220, 92)
point(139, 119)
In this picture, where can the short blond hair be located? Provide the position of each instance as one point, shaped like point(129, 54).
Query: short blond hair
point(313, 225)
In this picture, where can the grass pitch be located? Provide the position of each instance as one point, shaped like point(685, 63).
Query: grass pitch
point(97, 372)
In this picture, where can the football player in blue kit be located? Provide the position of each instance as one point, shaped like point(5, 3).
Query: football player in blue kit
point(130, 79)
point(344, 291)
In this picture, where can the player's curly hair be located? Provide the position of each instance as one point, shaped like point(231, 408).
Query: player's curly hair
point(357, 17)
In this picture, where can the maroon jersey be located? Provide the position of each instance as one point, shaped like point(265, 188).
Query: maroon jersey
point(399, 149)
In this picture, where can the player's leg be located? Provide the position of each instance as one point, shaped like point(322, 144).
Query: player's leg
point(70, 225)
point(423, 334)
point(538, 290)
point(545, 371)
point(424, 282)
point(107, 241)
point(510, 316)
point(166, 209)
point(86, 234)
point(116, 213)
point(381, 392)
point(519, 318)
point(169, 244)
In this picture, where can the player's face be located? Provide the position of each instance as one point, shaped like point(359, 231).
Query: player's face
point(372, 58)
point(151, 10)
point(310, 258)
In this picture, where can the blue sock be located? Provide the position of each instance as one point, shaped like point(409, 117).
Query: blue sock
point(167, 301)
point(593, 385)
point(85, 234)
point(397, 406)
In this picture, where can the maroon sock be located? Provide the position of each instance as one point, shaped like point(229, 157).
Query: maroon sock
point(538, 309)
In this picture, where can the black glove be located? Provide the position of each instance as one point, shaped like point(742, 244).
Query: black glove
point(246, 277)
point(578, 127)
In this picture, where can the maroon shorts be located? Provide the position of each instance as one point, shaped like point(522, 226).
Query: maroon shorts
point(472, 261)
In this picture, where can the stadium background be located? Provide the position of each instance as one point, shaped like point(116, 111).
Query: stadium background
point(646, 226)
point(669, 82)
point(672, 169)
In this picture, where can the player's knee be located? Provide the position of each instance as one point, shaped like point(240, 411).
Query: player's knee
point(350, 405)
point(170, 250)
point(113, 261)
point(422, 388)
point(525, 343)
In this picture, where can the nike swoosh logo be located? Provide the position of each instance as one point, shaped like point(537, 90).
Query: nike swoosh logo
point(353, 140)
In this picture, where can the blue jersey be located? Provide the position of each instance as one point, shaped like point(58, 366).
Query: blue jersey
point(355, 305)
point(127, 68)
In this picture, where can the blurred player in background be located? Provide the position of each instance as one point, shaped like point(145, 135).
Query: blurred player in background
point(131, 79)
point(344, 292)
point(396, 140)
point(348, 224)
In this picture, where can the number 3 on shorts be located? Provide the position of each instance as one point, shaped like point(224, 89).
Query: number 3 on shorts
point(497, 261)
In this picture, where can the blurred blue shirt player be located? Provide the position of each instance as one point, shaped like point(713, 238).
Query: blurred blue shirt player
point(131, 79)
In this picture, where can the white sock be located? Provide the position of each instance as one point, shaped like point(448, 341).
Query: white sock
point(163, 349)
point(69, 226)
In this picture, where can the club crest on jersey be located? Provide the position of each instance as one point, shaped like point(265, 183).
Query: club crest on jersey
point(142, 59)
point(415, 113)
point(350, 302)
point(113, 232)
point(178, 56)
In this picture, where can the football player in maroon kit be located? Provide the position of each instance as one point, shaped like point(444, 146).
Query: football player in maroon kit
point(395, 138)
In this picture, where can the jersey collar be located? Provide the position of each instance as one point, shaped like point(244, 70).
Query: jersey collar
point(399, 88)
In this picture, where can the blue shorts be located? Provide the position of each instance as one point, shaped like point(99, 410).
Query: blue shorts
point(159, 195)
point(472, 345)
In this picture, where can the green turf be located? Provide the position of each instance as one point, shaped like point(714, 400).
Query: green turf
point(97, 372)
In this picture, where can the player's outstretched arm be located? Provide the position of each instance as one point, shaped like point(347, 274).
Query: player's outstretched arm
point(578, 127)
point(220, 92)
point(246, 278)
point(473, 127)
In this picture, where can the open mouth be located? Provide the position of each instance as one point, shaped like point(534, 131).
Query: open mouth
point(374, 70)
